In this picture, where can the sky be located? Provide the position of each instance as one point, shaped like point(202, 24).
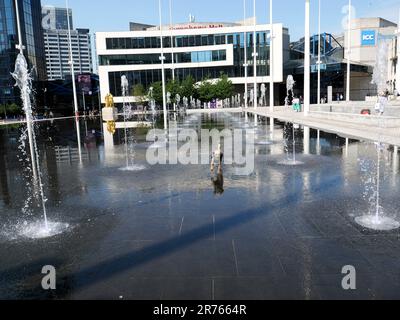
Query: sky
point(115, 15)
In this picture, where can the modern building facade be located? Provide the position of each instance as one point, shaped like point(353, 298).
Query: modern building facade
point(56, 43)
point(366, 35)
point(57, 53)
point(32, 33)
point(202, 50)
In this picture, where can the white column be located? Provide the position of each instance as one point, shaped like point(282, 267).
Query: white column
point(71, 62)
point(348, 55)
point(108, 137)
point(396, 159)
point(307, 62)
point(245, 65)
point(306, 141)
point(162, 58)
point(271, 59)
point(318, 142)
point(255, 54)
point(319, 53)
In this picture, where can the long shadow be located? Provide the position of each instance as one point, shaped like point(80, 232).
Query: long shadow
point(107, 269)
point(111, 267)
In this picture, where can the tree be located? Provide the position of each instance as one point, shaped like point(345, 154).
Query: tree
point(139, 93)
point(206, 91)
point(223, 88)
point(10, 109)
point(138, 90)
point(174, 88)
point(187, 87)
point(157, 92)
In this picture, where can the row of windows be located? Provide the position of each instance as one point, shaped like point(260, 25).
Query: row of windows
point(182, 57)
point(147, 77)
point(185, 41)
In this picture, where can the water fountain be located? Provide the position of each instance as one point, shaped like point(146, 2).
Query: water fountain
point(129, 145)
point(289, 89)
point(291, 159)
point(376, 219)
point(44, 228)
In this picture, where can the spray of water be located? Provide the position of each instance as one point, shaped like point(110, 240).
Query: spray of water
point(24, 82)
point(376, 219)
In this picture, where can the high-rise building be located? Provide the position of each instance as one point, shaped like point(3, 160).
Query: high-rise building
point(57, 53)
point(56, 43)
point(56, 18)
point(32, 39)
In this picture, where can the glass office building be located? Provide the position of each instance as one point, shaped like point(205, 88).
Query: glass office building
point(32, 33)
point(202, 50)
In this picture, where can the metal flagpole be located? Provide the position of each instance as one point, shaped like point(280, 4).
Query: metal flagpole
point(162, 58)
point(307, 66)
point(71, 63)
point(348, 55)
point(271, 59)
point(319, 53)
point(255, 54)
point(245, 65)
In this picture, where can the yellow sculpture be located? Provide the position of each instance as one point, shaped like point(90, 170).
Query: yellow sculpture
point(111, 126)
point(109, 101)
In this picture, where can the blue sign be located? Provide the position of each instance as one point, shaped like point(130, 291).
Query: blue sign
point(368, 38)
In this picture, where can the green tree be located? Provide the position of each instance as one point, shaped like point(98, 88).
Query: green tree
point(174, 88)
point(206, 91)
point(223, 88)
point(187, 87)
point(157, 92)
point(138, 90)
point(139, 93)
point(10, 110)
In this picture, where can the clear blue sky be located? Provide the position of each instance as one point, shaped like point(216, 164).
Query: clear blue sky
point(115, 15)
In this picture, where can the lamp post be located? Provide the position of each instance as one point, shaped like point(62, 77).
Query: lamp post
point(245, 65)
point(319, 53)
point(255, 54)
point(348, 55)
point(162, 58)
point(307, 66)
point(71, 63)
point(172, 39)
point(271, 59)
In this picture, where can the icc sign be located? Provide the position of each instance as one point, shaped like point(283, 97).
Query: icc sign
point(368, 38)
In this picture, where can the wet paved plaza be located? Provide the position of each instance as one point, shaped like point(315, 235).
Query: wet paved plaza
point(169, 232)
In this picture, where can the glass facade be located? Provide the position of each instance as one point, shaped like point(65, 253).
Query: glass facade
point(179, 57)
point(146, 77)
point(30, 15)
